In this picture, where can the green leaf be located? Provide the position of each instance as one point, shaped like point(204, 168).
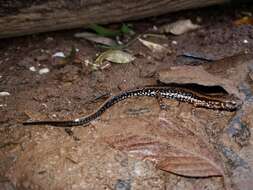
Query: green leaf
point(102, 31)
point(125, 29)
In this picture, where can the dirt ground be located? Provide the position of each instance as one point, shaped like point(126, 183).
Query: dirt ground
point(44, 157)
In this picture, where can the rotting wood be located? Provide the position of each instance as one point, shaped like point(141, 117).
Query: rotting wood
point(19, 17)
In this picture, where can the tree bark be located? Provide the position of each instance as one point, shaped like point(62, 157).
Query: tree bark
point(18, 17)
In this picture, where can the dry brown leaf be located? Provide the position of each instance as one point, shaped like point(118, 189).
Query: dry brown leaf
point(228, 73)
point(179, 27)
point(96, 38)
point(196, 75)
point(154, 47)
point(243, 21)
point(115, 56)
point(168, 144)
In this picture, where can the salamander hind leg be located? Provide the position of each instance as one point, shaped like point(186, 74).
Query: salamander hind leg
point(70, 132)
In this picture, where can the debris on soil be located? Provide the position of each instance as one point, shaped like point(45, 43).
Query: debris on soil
point(228, 73)
point(244, 20)
point(5, 94)
point(174, 42)
point(32, 68)
point(196, 57)
point(103, 31)
point(60, 59)
point(179, 27)
point(134, 144)
point(59, 54)
point(166, 143)
point(114, 56)
point(154, 47)
point(108, 38)
point(96, 38)
point(241, 133)
point(44, 71)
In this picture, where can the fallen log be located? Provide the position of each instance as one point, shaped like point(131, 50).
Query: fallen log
point(18, 17)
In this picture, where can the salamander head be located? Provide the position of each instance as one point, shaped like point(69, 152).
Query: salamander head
point(231, 103)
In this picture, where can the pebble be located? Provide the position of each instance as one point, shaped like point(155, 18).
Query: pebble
point(49, 39)
point(174, 42)
point(43, 71)
point(87, 62)
point(245, 41)
point(59, 54)
point(155, 28)
point(5, 94)
point(33, 69)
point(122, 185)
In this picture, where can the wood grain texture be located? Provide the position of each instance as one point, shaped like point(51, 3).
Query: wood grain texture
point(19, 17)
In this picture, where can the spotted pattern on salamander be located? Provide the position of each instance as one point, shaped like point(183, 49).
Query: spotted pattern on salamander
point(223, 103)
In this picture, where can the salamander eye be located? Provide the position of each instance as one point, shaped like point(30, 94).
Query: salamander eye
point(233, 104)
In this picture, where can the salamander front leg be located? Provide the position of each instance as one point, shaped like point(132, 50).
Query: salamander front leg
point(162, 104)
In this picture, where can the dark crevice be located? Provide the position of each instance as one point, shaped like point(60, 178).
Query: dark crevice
point(216, 89)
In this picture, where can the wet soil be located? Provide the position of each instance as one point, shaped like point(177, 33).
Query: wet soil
point(43, 157)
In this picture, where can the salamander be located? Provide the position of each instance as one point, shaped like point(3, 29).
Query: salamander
point(215, 102)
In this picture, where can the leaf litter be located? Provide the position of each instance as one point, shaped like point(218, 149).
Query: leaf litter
point(176, 140)
point(96, 38)
point(171, 147)
point(106, 37)
point(179, 27)
point(114, 56)
point(154, 47)
point(107, 32)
